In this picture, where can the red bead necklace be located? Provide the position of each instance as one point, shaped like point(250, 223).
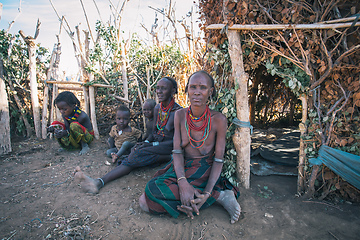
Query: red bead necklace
point(205, 127)
point(163, 118)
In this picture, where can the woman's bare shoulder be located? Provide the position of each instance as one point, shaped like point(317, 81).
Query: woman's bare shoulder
point(217, 116)
point(181, 112)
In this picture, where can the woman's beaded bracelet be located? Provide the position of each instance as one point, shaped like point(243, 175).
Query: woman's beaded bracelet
point(218, 160)
point(177, 151)
point(206, 192)
point(180, 178)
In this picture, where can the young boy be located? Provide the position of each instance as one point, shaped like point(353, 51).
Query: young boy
point(76, 131)
point(122, 136)
point(148, 111)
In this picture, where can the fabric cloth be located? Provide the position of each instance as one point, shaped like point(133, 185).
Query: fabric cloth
point(119, 139)
point(162, 192)
point(77, 133)
point(346, 165)
point(148, 155)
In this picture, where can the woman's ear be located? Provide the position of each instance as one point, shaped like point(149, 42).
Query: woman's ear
point(211, 92)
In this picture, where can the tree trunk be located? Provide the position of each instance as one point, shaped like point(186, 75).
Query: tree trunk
point(241, 137)
point(5, 140)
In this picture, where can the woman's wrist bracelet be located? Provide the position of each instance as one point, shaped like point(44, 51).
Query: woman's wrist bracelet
point(180, 178)
point(177, 151)
point(218, 160)
point(206, 192)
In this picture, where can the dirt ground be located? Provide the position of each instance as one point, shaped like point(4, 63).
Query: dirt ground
point(40, 200)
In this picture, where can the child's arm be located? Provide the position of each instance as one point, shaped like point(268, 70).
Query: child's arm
point(84, 120)
point(111, 142)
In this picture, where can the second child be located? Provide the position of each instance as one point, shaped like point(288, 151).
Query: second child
point(148, 111)
point(122, 136)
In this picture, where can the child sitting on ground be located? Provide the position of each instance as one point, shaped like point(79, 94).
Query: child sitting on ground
point(148, 111)
point(122, 136)
point(76, 131)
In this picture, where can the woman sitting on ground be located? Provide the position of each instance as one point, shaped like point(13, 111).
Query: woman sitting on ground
point(192, 180)
point(156, 149)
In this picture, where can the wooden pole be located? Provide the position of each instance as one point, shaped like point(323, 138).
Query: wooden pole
point(5, 140)
point(282, 26)
point(123, 71)
point(33, 84)
point(92, 111)
point(45, 118)
point(302, 154)
point(241, 137)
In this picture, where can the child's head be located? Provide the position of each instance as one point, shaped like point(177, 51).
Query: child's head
point(66, 102)
point(122, 117)
point(148, 108)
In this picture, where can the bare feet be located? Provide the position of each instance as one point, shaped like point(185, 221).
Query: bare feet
point(84, 148)
point(228, 201)
point(114, 157)
point(143, 204)
point(89, 184)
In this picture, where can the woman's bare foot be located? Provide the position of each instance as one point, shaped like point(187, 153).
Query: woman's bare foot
point(89, 184)
point(228, 201)
point(143, 204)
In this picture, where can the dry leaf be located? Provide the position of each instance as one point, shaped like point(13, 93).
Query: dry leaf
point(343, 142)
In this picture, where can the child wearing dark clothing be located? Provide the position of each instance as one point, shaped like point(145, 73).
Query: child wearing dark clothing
point(148, 111)
point(122, 136)
point(76, 131)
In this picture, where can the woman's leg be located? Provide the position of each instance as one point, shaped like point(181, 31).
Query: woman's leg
point(92, 185)
point(116, 173)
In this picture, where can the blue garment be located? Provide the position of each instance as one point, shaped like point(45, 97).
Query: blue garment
point(346, 165)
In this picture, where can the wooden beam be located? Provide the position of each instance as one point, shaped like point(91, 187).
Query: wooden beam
point(77, 83)
point(70, 88)
point(239, 27)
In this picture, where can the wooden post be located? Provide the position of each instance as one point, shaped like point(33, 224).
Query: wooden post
point(302, 154)
point(92, 110)
point(30, 42)
point(123, 71)
point(241, 137)
point(86, 99)
point(45, 112)
point(5, 140)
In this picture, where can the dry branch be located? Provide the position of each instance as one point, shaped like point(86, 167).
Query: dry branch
point(281, 26)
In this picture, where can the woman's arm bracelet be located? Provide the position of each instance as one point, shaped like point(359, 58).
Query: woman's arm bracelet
point(206, 192)
point(177, 151)
point(180, 178)
point(218, 160)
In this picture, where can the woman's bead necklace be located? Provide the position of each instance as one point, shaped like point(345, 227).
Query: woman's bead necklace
point(163, 116)
point(205, 127)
